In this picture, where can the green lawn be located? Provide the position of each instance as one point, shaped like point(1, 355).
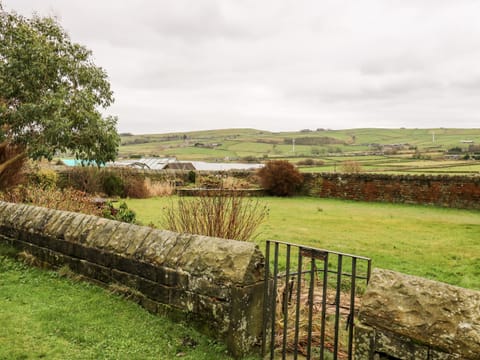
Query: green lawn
point(45, 316)
point(437, 243)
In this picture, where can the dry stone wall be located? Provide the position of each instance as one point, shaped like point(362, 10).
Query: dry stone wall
point(446, 191)
point(215, 283)
point(407, 317)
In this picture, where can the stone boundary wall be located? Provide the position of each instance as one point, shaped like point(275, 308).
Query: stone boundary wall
point(447, 191)
point(166, 175)
point(215, 283)
point(408, 317)
point(216, 192)
point(461, 192)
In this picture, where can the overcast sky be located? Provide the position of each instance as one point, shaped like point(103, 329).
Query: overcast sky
point(178, 65)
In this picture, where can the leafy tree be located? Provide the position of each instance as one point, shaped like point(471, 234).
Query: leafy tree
point(51, 92)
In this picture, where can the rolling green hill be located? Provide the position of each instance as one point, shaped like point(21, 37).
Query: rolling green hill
point(384, 150)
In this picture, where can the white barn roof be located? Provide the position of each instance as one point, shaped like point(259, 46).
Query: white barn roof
point(160, 163)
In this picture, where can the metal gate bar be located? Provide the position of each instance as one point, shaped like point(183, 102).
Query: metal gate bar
point(292, 296)
point(297, 312)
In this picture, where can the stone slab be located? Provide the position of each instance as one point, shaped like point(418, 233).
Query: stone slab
point(431, 313)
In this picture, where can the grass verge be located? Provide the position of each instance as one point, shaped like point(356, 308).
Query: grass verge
point(44, 315)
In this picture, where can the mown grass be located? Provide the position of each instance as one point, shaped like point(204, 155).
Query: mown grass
point(45, 316)
point(437, 243)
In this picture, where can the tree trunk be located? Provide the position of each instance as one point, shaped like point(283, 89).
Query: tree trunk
point(12, 161)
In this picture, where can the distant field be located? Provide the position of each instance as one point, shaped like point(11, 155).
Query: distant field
point(331, 146)
point(401, 166)
point(436, 243)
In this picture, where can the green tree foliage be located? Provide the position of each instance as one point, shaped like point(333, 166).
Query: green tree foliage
point(280, 178)
point(51, 92)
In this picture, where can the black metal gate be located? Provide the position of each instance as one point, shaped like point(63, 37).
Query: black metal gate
point(309, 302)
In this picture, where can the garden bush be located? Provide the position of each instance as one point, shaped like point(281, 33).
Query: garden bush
point(280, 178)
point(44, 178)
point(112, 184)
point(228, 215)
point(192, 175)
point(122, 213)
point(84, 178)
point(121, 182)
point(67, 199)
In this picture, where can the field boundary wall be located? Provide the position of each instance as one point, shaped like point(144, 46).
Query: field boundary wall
point(216, 284)
point(455, 191)
point(446, 191)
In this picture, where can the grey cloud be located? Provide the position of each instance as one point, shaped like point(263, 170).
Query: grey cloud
point(407, 63)
point(469, 85)
point(280, 64)
point(192, 21)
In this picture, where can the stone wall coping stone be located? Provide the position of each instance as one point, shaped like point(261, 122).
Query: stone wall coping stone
point(219, 260)
point(440, 315)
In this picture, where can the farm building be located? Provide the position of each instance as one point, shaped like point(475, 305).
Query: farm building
point(174, 164)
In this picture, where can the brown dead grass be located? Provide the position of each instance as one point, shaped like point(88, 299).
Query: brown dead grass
point(165, 188)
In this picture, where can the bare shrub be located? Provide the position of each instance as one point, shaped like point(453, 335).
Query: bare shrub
point(351, 166)
point(228, 215)
point(165, 188)
point(280, 178)
point(231, 182)
point(121, 182)
point(135, 187)
point(86, 178)
point(210, 182)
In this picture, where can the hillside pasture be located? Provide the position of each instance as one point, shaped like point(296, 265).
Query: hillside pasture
point(417, 148)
